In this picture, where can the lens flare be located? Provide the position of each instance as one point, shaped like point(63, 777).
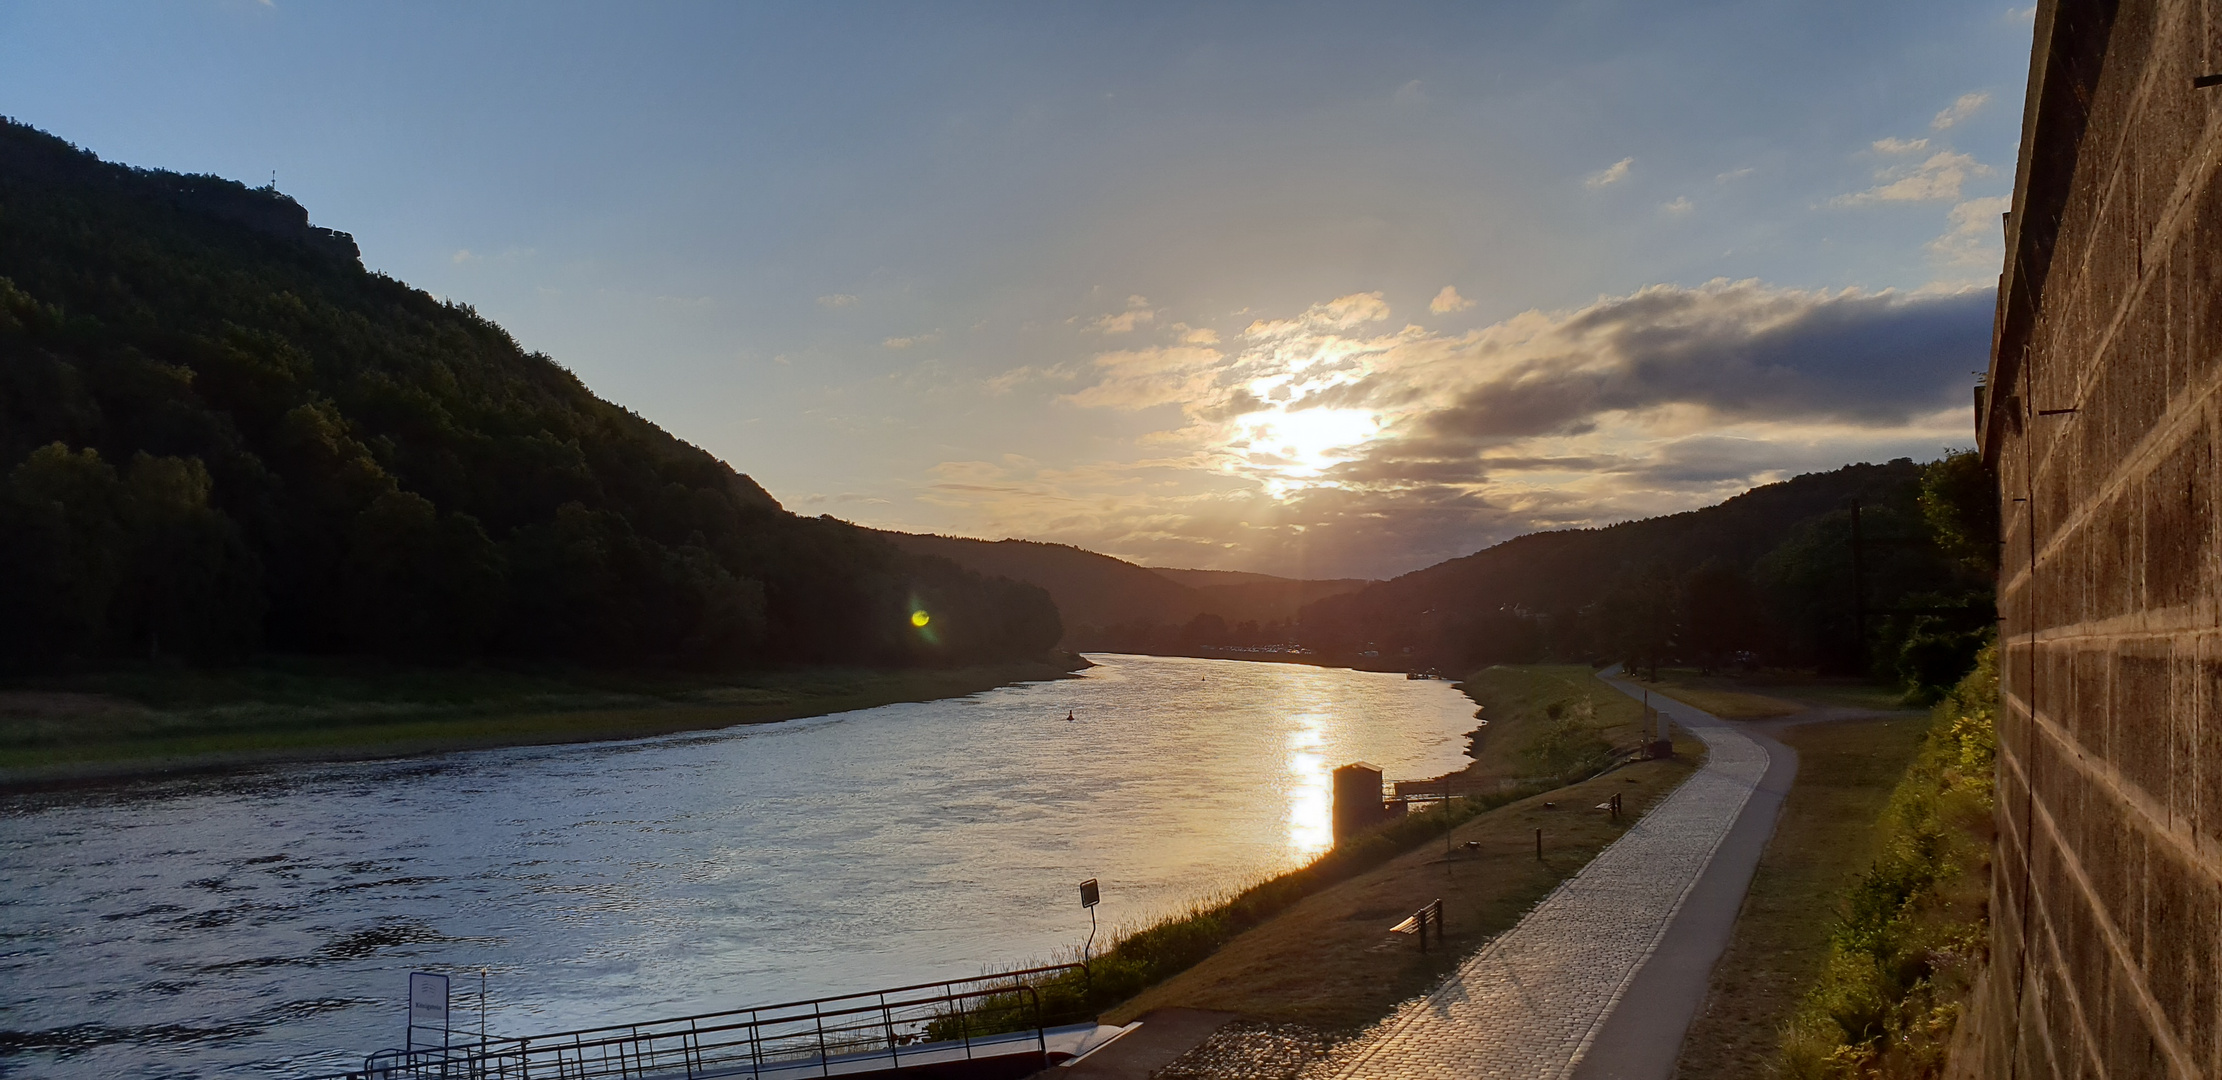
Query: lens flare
point(919, 618)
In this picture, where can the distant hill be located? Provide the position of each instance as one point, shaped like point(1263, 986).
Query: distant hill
point(1261, 598)
point(220, 434)
point(1111, 604)
point(1204, 579)
point(1091, 590)
point(1764, 577)
point(1768, 573)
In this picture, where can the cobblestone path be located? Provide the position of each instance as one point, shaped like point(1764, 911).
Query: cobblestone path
point(1529, 1003)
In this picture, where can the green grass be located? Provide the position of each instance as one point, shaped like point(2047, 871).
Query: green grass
point(1327, 961)
point(1824, 838)
point(1546, 722)
point(156, 719)
point(1911, 930)
point(1312, 946)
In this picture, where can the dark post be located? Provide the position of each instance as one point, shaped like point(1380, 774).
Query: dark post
point(1859, 595)
point(1090, 895)
point(1539, 844)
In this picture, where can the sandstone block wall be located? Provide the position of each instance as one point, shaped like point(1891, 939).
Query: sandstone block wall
point(2103, 420)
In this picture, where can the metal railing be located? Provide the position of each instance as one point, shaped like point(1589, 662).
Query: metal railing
point(955, 1020)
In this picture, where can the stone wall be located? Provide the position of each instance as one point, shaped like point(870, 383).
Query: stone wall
point(2102, 421)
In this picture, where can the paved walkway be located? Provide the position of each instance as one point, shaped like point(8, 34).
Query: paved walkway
point(1532, 1003)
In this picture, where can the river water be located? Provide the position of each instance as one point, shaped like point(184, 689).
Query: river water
point(264, 923)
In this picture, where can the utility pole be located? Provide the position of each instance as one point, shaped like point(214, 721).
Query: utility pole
point(1859, 595)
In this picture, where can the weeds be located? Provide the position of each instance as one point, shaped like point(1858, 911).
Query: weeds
point(1911, 935)
point(1157, 952)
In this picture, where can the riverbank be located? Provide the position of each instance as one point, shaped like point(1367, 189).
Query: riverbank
point(1310, 953)
point(153, 721)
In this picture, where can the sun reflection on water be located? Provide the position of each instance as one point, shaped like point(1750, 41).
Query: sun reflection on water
point(1310, 798)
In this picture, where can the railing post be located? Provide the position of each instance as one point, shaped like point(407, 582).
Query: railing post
point(825, 1060)
point(964, 1025)
point(893, 1054)
point(1041, 1036)
point(755, 1045)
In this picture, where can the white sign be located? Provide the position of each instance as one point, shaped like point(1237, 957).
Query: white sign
point(427, 1004)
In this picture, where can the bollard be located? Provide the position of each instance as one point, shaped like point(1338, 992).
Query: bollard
point(1539, 843)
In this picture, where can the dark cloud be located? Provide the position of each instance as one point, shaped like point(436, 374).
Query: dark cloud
point(1742, 352)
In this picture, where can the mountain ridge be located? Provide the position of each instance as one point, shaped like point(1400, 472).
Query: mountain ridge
point(220, 434)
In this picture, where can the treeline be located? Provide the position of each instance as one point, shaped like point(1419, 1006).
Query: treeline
point(220, 435)
point(1205, 632)
point(1881, 570)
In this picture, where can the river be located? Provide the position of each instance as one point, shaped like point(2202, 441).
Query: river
point(265, 922)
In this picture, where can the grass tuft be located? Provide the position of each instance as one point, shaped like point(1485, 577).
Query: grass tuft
point(1910, 936)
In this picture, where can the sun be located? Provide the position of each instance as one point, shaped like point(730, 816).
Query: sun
point(1305, 444)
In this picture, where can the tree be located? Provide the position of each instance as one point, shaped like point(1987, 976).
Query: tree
point(1720, 613)
point(191, 587)
point(1959, 502)
point(1639, 616)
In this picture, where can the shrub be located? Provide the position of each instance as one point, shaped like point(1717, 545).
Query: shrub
point(1911, 935)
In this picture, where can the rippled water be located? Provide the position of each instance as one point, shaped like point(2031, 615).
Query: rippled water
point(266, 922)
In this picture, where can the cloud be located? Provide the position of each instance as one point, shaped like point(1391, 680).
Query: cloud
point(1121, 323)
point(1019, 376)
point(1899, 146)
point(1680, 207)
point(927, 338)
point(1960, 109)
point(461, 256)
point(1196, 335)
point(1342, 313)
point(1408, 97)
point(1730, 352)
point(1611, 174)
point(1936, 179)
point(1975, 236)
point(846, 498)
point(1335, 442)
point(837, 301)
point(1135, 379)
point(1733, 174)
point(1137, 312)
point(1448, 301)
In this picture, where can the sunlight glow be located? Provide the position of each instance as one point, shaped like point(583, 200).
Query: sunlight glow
point(1311, 829)
point(1303, 445)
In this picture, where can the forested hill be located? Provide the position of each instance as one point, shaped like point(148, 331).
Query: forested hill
point(220, 434)
point(1116, 606)
point(1768, 573)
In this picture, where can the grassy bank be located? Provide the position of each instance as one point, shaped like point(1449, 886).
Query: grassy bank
point(1313, 946)
point(1911, 930)
point(1825, 836)
point(1545, 724)
point(1328, 961)
point(155, 720)
point(1766, 695)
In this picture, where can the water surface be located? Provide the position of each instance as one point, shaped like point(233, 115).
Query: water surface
point(267, 921)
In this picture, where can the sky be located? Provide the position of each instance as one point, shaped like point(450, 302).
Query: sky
point(1313, 290)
